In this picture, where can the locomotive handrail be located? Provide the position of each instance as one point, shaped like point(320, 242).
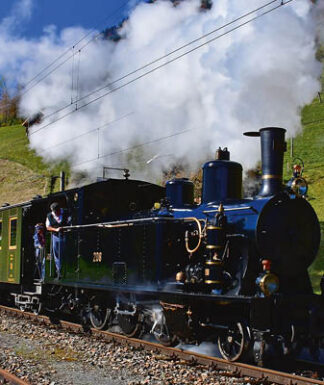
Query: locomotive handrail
point(200, 235)
point(131, 222)
point(127, 222)
point(232, 209)
point(118, 225)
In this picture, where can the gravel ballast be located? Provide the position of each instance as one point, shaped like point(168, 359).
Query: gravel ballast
point(46, 355)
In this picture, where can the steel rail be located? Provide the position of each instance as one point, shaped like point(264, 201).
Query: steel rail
point(234, 368)
point(9, 378)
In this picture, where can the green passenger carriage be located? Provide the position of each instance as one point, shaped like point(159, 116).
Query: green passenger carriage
point(11, 251)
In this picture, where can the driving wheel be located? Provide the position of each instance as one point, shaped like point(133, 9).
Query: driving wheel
point(130, 324)
point(99, 317)
point(234, 343)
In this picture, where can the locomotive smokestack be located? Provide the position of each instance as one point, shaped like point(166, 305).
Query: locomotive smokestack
point(273, 146)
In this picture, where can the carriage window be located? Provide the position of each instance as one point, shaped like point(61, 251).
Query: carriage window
point(0, 234)
point(12, 233)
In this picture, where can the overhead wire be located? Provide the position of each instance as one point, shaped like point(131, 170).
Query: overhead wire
point(75, 76)
point(78, 76)
point(163, 64)
point(90, 32)
point(72, 76)
point(132, 72)
point(154, 69)
point(178, 49)
point(136, 146)
point(88, 132)
point(160, 58)
point(175, 134)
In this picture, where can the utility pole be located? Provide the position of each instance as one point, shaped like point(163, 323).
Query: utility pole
point(62, 182)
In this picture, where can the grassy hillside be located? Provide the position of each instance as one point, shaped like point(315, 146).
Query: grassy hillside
point(22, 173)
point(309, 146)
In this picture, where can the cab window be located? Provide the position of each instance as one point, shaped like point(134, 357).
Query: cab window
point(13, 233)
point(0, 234)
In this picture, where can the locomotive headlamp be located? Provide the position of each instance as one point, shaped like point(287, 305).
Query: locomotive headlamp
point(299, 186)
point(157, 206)
point(297, 183)
point(269, 284)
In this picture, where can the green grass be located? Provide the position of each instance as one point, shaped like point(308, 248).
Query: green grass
point(23, 174)
point(14, 147)
point(309, 146)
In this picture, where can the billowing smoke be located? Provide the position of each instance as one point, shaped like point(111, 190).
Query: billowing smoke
point(259, 75)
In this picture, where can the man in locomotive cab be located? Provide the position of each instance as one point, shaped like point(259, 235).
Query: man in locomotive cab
point(56, 219)
point(39, 245)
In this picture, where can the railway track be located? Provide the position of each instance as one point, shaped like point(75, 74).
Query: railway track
point(259, 375)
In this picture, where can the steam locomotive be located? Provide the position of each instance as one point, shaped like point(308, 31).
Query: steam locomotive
point(230, 270)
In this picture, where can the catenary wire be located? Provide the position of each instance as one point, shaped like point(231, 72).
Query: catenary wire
point(72, 76)
point(123, 77)
point(92, 30)
point(88, 132)
point(154, 69)
point(136, 146)
point(182, 132)
point(178, 49)
point(78, 76)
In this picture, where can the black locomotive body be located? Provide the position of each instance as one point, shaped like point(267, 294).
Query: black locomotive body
point(150, 259)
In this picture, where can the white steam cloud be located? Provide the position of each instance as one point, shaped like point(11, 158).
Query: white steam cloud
point(259, 75)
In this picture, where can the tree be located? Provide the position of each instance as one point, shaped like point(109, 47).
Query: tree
point(8, 105)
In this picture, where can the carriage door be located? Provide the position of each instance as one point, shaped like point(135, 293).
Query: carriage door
point(2, 258)
point(14, 240)
point(12, 246)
